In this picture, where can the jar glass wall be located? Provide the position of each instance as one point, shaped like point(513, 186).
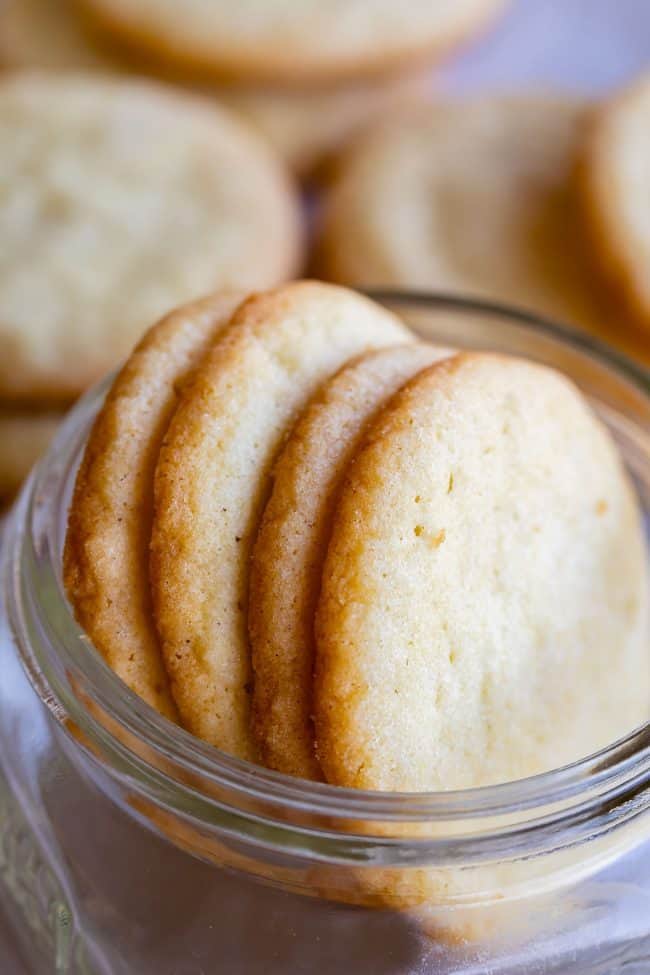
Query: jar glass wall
point(127, 846)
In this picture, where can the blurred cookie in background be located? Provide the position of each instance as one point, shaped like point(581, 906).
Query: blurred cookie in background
point(615, 182)
point(305, 126)
point(473, 196)
point(305, 41)
point(49, 35)
point(308, 126)
point(24, 436)
point(119, 200)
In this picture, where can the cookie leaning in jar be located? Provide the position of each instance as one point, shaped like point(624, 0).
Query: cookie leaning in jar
point(484, 606)
point(291, 543)
point(410, 208)
point(101, 237)
point(214, 475)
point(106, 557)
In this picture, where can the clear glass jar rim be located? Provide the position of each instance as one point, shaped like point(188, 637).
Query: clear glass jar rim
point(55, 653)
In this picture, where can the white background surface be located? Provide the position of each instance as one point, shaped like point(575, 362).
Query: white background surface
point(588, 46)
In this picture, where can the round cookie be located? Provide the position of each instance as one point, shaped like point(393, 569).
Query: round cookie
point(486, 568)
point(291, 543)
point(614, 182)
point(475, 197)
point(309, 41)
point(101, 237)
point(106, 558)
point(305, 126)
point(23, 438)
point(213, 478)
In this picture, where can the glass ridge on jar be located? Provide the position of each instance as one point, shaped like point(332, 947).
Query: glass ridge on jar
point(127, 846)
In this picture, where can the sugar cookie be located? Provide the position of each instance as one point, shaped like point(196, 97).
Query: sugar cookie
point(296, 42)
point(291, 544)
point(614, 177)
point(475, 197)
point(305, 126)
point(106, 557)
point(100, 237)
point(213, 478)
point(484, 604)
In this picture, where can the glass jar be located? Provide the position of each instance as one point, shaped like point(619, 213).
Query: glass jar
point(130, 848)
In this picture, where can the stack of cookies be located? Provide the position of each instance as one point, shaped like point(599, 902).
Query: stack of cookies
point(305, 75)
point(322, 545)
point(123, 199)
